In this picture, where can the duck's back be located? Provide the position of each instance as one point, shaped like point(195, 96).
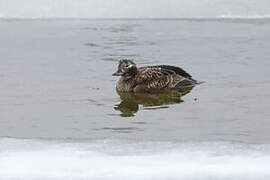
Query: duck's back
point(161, 78)
point(169, 69)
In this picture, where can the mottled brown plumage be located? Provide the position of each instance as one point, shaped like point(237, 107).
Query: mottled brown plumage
point(151, 79)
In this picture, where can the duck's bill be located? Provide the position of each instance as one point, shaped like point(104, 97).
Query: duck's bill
point(118, 73)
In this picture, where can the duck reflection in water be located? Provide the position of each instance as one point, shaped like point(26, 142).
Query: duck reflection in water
point(130, 102)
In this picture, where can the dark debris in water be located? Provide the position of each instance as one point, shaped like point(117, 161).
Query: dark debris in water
point(91, 44)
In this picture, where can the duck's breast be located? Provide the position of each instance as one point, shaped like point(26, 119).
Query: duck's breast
point(125, 85)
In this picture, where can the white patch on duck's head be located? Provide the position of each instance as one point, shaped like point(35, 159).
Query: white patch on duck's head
point(130, 65)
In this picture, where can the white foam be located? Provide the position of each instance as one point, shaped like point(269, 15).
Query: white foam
point(132, 8)
point(227, 16)
point(32, 159)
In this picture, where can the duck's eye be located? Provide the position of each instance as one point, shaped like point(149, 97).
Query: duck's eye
point(127, 66)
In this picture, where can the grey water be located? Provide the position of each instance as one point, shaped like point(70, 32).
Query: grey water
point(56, 86)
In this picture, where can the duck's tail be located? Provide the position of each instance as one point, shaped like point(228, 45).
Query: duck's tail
point(198, 82)
point(188, 82)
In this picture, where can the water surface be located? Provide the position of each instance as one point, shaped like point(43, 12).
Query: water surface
point(56, 79)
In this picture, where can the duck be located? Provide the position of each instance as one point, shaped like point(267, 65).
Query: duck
point(151, 79)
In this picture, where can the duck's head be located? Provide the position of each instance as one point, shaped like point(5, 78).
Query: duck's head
point(126, 68)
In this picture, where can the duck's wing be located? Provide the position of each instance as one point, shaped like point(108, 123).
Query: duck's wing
point(151, 73)
point(172, 70)
point(156, 79)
